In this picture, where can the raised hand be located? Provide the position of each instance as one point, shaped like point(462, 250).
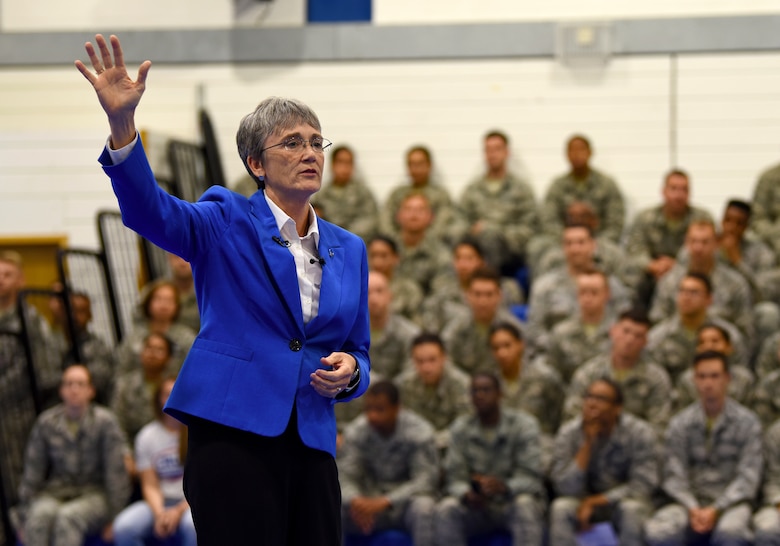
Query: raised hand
point(118, 94)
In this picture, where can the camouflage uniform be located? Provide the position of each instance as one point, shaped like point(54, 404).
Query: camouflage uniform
point(720, 467)
point(73, 483)
point(508, 215)
point(133, 402)
point(767, 360)
point(99, 360)
point(440, 405)
point(347, 412)
point(622, 467)
point(646, 388)
point(730, 298)
point(651, 235)
point(766, 521)
point(598, 190)
point(572, 344)
point(766, 398)
point(403, 467)
point(189, 315)
point(390, 347)
point(468, 343)
point(740, 387)
point(448, 300)
point(539, 392)
point(423, 263)
point(128, 352)
point(554, 299)
point(765, 220)
point(444, 218)
point(351, 206)
point(608, 257)
point(673, 346)
point(510, 452)
point(408, 297)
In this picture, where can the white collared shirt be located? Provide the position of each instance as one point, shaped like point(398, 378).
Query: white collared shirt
point(307, 258)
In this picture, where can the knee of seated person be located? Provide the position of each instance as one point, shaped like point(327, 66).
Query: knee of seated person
point(767, 521)
point(423, 505)
point(564, 506)
point(526, 503)
point(634, 507)
point(448, 506)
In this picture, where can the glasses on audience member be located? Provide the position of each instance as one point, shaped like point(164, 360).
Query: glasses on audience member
point(599, 397)
point(296, 144)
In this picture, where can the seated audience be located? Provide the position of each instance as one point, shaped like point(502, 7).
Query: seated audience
point(160, 307)
point(585, 334)
point(434, 388)
point(163, 512)
point(493, 472)
point(712, 465)
point(554, 295)
point(657, 234)
point(419, 165)
point(346, 199)
point(466, 336)
point(499, 208)
point(711, 337)
point(672, 342)
point(74, 480)
point(604, 469)
point(766, 521)
point(646, 386)
point(133, 398)
point(407, 293)
point(388, 468)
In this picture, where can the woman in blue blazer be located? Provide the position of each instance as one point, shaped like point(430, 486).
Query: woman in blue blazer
point(284, 324)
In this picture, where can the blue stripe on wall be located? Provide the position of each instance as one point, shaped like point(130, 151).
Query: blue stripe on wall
point(339, 11)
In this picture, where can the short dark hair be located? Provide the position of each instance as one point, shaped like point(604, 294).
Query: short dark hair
point(582, 138)
point(151, 289)
point(389, 241)
point(166, 339)
point(701, 277)
point(636, 314)
point(420, 148)
point(385, 387)
point(488, 375)
point(712, 326)
point(744, 206)
point(485, 273)
point(495, 133)
point(712, 355)
point(428, 337)
point(580, 225)
point(508, 327)
point(341, 148)
point(473, 242)
point(614, 385)
point(676, 171)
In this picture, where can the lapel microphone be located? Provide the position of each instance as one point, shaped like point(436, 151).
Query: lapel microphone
point(281, 242)
point(319, 259)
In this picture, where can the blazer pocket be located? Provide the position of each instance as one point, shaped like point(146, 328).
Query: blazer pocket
point(220, 348)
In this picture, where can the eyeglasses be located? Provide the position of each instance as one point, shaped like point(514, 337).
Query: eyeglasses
point(296, 144)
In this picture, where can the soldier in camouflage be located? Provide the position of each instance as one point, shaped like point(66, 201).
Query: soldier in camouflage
point(766, 521)
point(604, 468)
point(646, 386)
point(407, 294)
point(434, 389)
point(346, 200)
point(74, 480)
point(766, 208)
point(713, 465)
point(388, 468)
point(499, 208)
point(492, 472)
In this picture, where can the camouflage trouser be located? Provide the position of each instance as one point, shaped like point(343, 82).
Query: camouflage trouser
point(669, 527)
point(628, 517)
point(50, 522)
point(523, 518)
point(414, 517)
point(766, 522)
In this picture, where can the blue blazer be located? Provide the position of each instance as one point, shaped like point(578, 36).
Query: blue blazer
point(253, 356)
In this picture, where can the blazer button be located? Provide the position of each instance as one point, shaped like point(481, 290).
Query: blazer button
point(295, 345)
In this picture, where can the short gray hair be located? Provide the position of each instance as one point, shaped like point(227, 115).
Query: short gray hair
point(271, 115)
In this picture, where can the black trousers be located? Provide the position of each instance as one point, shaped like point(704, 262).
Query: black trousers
point(251, 490)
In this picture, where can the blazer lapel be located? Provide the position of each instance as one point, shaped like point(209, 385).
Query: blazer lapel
point(279, 260)
point(332, 273)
